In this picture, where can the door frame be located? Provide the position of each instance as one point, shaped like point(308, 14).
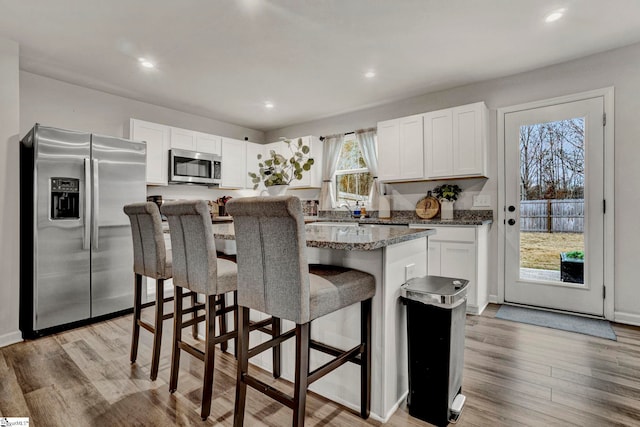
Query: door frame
point(609, 224)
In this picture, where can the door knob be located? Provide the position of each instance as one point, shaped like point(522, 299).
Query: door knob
point(512, 208)
point(511, 221)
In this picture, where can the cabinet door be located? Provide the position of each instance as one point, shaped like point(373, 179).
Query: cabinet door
point(458, 260)
point(183, 139)
point(433, 258)
point(411, 147)
point(389, 150)
point(313, 177)
point(438, 144)
point(469, 129)
point(157, 138)
point(252, 161)
point(234, 163)
point(206, 143)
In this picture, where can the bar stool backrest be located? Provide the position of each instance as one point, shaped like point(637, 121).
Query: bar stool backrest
point(149, 251)
point(273, 274)
point(193, 246)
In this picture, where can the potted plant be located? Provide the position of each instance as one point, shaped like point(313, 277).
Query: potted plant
point(447, 194)
point(572, 266)
point(279, 170)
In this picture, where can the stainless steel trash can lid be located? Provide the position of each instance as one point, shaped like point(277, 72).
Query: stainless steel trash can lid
point(447, 292)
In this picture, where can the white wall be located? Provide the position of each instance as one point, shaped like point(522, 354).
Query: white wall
point(618, 68)
point(55, 103)
point(9, 193)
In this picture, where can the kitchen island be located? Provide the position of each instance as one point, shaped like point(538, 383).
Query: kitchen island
point(391, 254)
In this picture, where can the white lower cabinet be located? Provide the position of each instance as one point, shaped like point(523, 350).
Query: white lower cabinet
point(461, 252)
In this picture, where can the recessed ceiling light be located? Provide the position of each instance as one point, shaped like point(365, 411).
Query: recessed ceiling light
point(269, 105)
point(370, 74)
point(146, 63)
point(554, 16)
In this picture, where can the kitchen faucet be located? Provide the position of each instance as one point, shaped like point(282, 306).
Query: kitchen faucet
point(346, 206)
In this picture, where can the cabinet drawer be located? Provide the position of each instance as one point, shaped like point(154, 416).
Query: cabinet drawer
point(455, 234)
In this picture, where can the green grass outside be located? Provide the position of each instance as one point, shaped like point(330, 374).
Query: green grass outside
point(542, 250)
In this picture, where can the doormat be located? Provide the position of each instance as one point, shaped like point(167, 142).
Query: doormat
point(565, 322)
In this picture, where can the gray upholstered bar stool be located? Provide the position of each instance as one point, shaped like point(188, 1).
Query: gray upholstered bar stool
point(274, 278)
point(197, 268)
point(150, 259)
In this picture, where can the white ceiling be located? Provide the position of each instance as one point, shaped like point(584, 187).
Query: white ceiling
point(224, 58)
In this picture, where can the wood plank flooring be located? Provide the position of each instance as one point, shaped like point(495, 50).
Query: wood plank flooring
point(515, 375)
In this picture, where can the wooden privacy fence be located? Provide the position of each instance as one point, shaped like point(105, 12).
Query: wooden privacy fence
point(552, 216)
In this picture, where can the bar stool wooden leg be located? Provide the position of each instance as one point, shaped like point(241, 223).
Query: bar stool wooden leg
point(177, 337)
point(209, 355)
point(275, 351)
point(223, 322)
point(302, 372)
point(157, 334)
point(137, 310)
point(365, 365)
point(243, 366)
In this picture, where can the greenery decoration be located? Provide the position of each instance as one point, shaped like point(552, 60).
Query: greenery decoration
point(447, 191)
point(575, 254)
point(276, 169)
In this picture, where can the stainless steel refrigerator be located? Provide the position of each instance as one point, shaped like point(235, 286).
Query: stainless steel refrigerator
point(76, 249)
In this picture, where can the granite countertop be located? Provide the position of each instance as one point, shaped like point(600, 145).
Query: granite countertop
point(461, 217)
point(407, 221)
point(349, 237)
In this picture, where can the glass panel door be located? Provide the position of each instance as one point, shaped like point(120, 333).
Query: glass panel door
point(554, 183)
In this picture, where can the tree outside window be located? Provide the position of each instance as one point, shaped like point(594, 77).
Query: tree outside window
point(352, 178)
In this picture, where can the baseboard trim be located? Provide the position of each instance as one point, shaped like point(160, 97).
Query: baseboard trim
point(391, 411)
point(493, 299)
point(10, 338)
point(626, 318)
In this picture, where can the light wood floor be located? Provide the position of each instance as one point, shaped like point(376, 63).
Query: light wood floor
point(515, 375)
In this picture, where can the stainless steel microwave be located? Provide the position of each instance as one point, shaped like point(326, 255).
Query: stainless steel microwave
point(191, 167)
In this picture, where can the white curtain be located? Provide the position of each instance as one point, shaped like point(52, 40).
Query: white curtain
point(367, 141)
point(332, 146)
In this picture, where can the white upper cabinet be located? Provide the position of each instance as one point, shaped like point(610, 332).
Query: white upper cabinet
point(313, 177)
point(388, 150)
point(470, 140)
point(234, 163)
point(206, 143)
point(157, 138)
point(448, 143)
point(411, 147)
point(455, 142)
point(438, 143)
point(183, 139)
point(253, 150)
point(400, 149)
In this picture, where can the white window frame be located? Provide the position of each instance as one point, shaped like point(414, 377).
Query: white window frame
point(338, 172)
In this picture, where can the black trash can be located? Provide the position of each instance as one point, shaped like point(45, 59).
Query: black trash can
point(436, 309)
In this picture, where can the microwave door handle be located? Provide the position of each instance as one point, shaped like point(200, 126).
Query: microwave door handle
point(96, 197)
point(86, 238)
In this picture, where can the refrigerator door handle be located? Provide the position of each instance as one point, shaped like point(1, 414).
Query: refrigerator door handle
point(95, 204)
point(86, 238)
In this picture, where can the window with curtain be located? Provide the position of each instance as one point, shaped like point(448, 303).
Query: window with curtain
point(352, 178)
